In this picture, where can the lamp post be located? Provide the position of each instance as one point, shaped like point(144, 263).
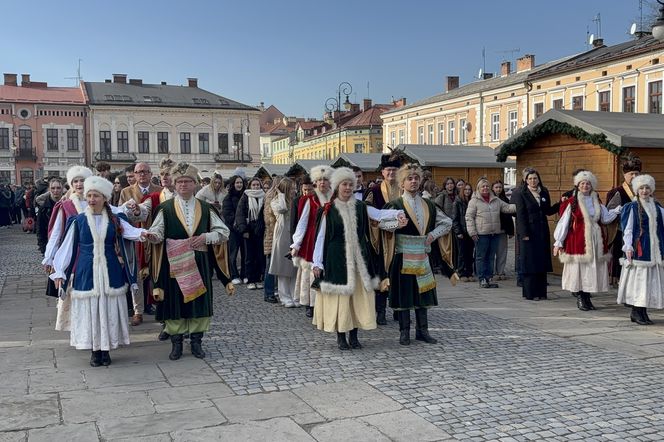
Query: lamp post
point(240, 148)
point(333, 104)
point(658, 26)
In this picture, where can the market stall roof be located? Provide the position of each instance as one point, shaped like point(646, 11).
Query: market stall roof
point(368, 162)
point(453, 156)
point(268, 170)
point(304, 166)
point(613, 131)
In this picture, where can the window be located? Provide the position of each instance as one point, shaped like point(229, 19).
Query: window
point(72, 139)
point(538, 109)
point(420, 135)
point(52, 139)
point(441, 133)
point(238, 143)
point(605, 101)
point(558, 104)
point(513, 123)
point(204, 143)
point(359, 147)
point(463, 136)
point(628, 99)
point(223, 143)
point(577, 103)
point(27, 176)
point(162, 142)
point(105, 141)
point(143, 142)
point(401, 137)
point(393, 138)
point(450, 132)
point(495, 127)
point(185, 142)
point(4, 138)
point(25, 139)
point(123, 141)
point(655, 97)
point(430, 131)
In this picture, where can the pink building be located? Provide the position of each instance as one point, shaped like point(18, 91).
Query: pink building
point(43, 130)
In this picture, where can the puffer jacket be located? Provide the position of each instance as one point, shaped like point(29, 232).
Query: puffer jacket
point(483, 218)
point(270, 221)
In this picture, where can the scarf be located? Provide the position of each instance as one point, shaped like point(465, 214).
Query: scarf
point(415, 260)
point(536, 194)
point(183, 268)
point(255, 197)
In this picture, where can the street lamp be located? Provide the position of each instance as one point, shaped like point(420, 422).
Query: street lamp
point(658, 26)
point(247, 132)
point(334, 104)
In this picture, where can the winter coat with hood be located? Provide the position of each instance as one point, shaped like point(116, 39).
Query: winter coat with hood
point(482, 217)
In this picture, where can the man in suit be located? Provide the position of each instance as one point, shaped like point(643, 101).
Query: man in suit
point(138, 192)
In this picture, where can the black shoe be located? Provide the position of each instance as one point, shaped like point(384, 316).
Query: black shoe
point(580, 304)
point(646, 317)
point(637, 316)
point(176, 349)
point(95, 358)
point(395, 315)
point(484, 284)
point(309, 312)
point(164, 336)
point(196, 345)
point(423, 335)
point(404, 338)
point(105, 358)
point(341, 341)
point(380, 318)
point(352, 339)
point(586, 300)
point(272, 299)
point(519, 283)
point(492, 285)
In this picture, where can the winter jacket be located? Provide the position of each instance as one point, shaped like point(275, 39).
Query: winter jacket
point(483, 218)
point(459, 225)
point(228, 209)
point(270, 220)
point(449, 208)
point(506, 220)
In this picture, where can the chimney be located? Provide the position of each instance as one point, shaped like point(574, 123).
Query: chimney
point(598, 43)
point(120, 78)
point(107, 81)
point(505, 68)
point(452, 83)
point(354, 107)
point(525, 63)
point(163, 83)
point(366, 104)
point(401, 102)
point(193, 82)
point(136, 81)
point(487, 75)
point(10, 80)
point(25, 79)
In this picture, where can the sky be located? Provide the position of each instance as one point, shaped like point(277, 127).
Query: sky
point(294, 54)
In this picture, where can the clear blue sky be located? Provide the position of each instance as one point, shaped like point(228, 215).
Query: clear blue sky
point(293, 54)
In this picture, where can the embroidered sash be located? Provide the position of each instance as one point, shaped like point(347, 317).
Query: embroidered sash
point(184, 269)
point(415, 260)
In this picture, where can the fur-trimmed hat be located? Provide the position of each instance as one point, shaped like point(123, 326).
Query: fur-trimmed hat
point(643, 180)
point(632, 163)
point(320, 172)
point(341, 174)
point(165, 165)
point(101, 185)
point(586, 175)
point(77, 172)
point(390, 160)
point(183, 169)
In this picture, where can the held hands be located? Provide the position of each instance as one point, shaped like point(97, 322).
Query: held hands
point(48, 269)
point(147, 235)
point(629, 255)
point(317, 272)
point(198, 242)
point(403, 221)
point(429, 240)
point(556, 251)
point(58, 283)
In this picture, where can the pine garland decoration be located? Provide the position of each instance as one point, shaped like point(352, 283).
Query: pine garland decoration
point(555, 127)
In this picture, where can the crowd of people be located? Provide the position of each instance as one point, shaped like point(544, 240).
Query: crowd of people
point(118, 246)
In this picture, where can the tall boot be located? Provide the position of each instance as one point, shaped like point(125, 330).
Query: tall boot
point(95, 358)
point(341, 341)
point(105, 358)
point(352, 339)
point(176, 349)
point(645, 316)
point(381, 304)
point(586, 300)
point(196, 346)
point(580, 302)
point(637, 316)
point(422, 326)
point(404, 327)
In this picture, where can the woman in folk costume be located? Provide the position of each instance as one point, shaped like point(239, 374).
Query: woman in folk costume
point(250, 224)
point(304, 238)
point(183, 281)
point(343, 261)
point(104, 268)
point(642, 276)
point(580, 241)
point(412, 283)
point(280, 266)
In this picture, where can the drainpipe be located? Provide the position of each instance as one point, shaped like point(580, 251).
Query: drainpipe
point(481, 119)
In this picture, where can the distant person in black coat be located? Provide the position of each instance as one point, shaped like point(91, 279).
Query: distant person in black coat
point(235, 243)
point(306, 187)
point(45, 204)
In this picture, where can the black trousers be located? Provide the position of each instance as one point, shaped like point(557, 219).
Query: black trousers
point(235, 245)
point(465, 257)
point(254, 259)
point(534, 285)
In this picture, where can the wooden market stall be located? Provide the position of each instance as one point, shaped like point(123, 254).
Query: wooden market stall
point(369, 163)
point(271, 170)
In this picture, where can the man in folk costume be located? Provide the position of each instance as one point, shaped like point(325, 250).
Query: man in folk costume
point(137, 192)
point(412, 283)
point(378, 197)
point(620, 196)
point(304, 237)
point(186, 226)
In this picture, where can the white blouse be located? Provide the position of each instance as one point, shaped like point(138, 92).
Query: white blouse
point(562, 228)
point(218, 230)
point(628, 234)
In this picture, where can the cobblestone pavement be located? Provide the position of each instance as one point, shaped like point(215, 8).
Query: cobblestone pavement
point(504, 369)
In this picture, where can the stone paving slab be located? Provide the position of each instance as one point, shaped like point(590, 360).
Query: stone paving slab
point(262, 406)
point(349, 429)
point(115, 375)
point(162, 396)
point(28, 411)
point(92, 405)
point(14, 436)
point(404, 426)
point(188, 371)
point(272, 430)
point(68, 432)
point(53, 380)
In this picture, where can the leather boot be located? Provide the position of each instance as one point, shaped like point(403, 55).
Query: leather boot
point(176, 349)
point(196, 346)
point(381, 304)
point(105, 358)
point(404, 327)
point(422, 326)
point(341, 341)
point(637, 316)
point(645, 316)
point(95, 358)
point(579, 302)
point(586, 299)
point(163, 336)
point(352, 339)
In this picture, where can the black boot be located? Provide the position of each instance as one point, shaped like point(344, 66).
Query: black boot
point(637, 316)
point(586, 300)
point(580, 303)
point(341, 341)
point(196, 346)
point(395, 315)
point(176, 349)
point(381, 304)
point(404, 327)
point(310, 312)
point(422, 326)
point(95, 358)
point(646, 317)
point(105, 358)
point(352, 339)
point(163, 336)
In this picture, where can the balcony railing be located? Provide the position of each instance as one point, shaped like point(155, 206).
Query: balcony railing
point(122, 157)
point(232, 157)
point(26, 154)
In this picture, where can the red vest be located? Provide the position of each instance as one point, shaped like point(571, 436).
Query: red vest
point(575, 241)
point(306, 251)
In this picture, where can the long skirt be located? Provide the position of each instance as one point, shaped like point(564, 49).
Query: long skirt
point(342, 313)
point(304, 294)
point(589, 277)
point(99, 323)
point(642, 286)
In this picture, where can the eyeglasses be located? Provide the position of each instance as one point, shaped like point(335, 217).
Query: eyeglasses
point(141, 172)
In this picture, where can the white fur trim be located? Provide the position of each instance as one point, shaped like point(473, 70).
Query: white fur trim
point(322, 197)
point(642, 180)
point(78, 172)
point(320, 171)
point(591, 229)
point(301, 263)
point(341, 174)
point(354, 259)
point(655, 255)
point(99, 184)
point(586, 175)
point(111, 292)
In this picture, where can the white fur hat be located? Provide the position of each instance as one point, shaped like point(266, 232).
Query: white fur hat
point(320, 172)
point(643, 180)
point(586, 175)
point(99, 184)
point(341, 174)
point(77, 172)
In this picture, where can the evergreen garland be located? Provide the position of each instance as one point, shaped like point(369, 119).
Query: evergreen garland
point(555, 127)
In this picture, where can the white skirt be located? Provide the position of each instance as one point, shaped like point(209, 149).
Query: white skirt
point(589, 277)
point(99, 323)
point(642, 286)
